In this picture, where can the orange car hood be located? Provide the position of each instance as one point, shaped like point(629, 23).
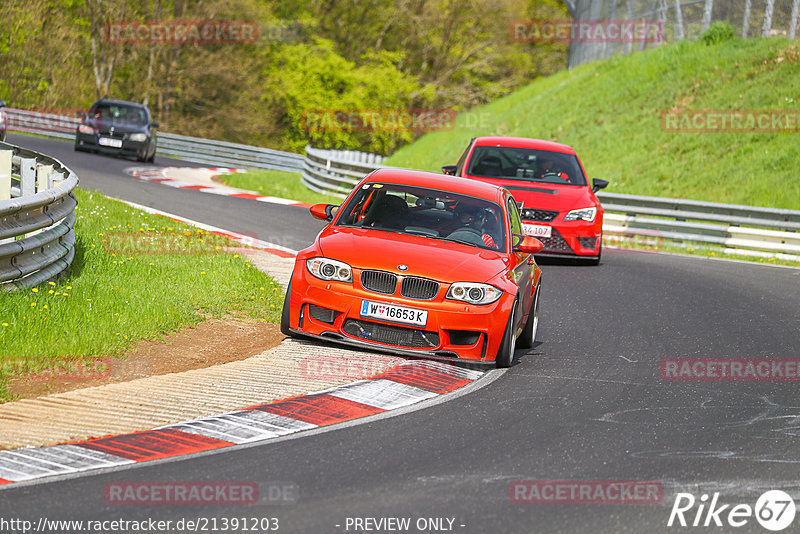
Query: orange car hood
point(439, 260)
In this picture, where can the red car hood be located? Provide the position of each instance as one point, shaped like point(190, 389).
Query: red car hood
point(439, 260)
point(547, 196)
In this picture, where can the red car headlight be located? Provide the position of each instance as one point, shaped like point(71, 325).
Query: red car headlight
point(582, 214)
point(328, 269)
point(473, 293)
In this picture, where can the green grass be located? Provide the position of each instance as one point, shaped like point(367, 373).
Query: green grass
point(610, 112)
point(135, 276)
point(278, 184)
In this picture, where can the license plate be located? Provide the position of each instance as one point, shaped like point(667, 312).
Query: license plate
point(537, 230)
point(390, 312)
point(105, 141)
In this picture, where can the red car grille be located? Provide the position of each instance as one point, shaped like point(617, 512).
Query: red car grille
point(529, 214)
point(555, 243)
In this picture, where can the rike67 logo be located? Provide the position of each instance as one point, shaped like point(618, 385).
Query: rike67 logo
point(774, 510)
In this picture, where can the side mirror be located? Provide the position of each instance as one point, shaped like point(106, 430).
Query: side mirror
point(598, 184)
point(81, 113)
point(323, 212)
point(154, 124)
point(449, 170)
point(529, 245)
point(3, 103)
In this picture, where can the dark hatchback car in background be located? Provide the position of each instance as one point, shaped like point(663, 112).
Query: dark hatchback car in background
point(118, 127)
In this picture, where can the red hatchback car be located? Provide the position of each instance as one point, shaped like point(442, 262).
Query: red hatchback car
point(557, 204)
point(419, 264)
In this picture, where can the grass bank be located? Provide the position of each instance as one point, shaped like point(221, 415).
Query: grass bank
point(611, 113)
point(135, 276)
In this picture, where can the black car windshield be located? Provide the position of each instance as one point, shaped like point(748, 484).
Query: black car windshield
point(118, 114)
point(426, 212)
point(525, 164)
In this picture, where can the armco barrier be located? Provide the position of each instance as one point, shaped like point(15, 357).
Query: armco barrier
point(37, 217)
point(730, 228)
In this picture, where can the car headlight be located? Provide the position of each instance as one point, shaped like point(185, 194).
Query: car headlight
point(85, 129)
point(328, 269)
point(138, 137)
point(473, 293)
point(583, 214)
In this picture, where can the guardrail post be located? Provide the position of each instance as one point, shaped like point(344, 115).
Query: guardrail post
point(5, 174)
point(43, 177)
point(27, 176)
point(55, 178)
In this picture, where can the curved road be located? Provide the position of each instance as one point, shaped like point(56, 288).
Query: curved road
point(587, 403)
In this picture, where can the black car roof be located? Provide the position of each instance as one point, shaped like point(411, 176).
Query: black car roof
point(119, 102)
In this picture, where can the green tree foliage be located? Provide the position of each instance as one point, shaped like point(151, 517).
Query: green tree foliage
point(346, 55)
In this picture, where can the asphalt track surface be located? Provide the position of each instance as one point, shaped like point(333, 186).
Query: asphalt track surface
point(587, 403)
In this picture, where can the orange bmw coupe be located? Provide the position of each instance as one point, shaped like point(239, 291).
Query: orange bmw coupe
point(419, 264)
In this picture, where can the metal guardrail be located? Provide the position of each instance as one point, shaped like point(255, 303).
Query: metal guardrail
point(37, 217)
point(628, 219)
point(196, 149)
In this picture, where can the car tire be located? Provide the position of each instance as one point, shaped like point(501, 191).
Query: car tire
point(528, 336)
point(506, 353)
point(285, 312)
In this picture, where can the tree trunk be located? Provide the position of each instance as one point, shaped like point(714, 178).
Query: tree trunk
point(793, 21)
point(767, 28)
point(708, 9)
point(678, 21)
point(746, 19)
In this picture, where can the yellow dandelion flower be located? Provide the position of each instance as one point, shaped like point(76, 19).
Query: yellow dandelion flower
point(45, 306)
point(35, 289)
point(51, 283)
point(69, 287)
point(5, 324)
point(64, 294)
point(33, 304)
point(50, 292)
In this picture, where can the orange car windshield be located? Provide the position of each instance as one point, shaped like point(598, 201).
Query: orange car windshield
point(428, 213)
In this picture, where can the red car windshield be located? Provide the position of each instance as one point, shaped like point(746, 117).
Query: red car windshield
point(526, 165)
point(426, 212)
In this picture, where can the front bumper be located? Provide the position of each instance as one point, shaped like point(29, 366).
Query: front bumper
point(129, 148)
point(574, 238)
point(454, 330)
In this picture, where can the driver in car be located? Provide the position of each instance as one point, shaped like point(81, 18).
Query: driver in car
point(471, 217)
point(548, 168)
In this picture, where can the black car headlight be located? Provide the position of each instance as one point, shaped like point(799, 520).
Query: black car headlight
point(473, 292)
point(328, 269)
